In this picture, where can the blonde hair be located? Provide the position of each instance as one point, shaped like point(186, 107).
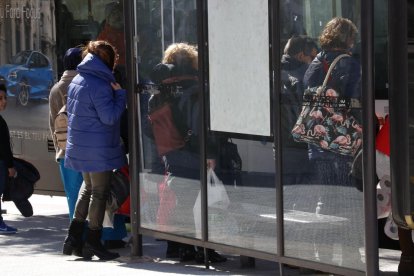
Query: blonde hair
point(181, 54)
point(336, 34)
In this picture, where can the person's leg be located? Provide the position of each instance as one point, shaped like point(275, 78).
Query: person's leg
point(100, 191)
point(74, 240)
point(4, 174)
point(72, 181)
point(112, 237)
point(82, 205)
point(3, 179)
point(101, 182)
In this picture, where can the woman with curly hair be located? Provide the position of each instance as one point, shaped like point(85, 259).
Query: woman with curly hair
point(338, 37)
point(179, 67)
point(331, 169)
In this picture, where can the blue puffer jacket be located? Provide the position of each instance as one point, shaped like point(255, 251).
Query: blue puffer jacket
point(94, 112)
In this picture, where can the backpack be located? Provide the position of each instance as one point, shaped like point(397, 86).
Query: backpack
point(61, 126)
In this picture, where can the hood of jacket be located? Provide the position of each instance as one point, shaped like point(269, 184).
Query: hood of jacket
point(93, 65)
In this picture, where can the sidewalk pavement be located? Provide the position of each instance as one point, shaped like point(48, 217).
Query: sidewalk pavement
point(36, 251)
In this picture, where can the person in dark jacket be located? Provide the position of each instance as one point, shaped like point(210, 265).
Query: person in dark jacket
point(338, 37)
point(6, 158)
point(95, 105)
point(332, 170)
point(298, 54)
point(178, 77)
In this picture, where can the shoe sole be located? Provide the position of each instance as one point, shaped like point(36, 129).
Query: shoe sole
point(88, 253)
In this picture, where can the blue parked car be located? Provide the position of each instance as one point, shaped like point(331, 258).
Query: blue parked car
point(29, 76)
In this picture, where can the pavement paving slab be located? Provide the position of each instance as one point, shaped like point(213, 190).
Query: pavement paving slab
point(36, 251)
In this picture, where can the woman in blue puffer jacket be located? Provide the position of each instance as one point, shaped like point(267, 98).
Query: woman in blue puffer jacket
point(95, 105)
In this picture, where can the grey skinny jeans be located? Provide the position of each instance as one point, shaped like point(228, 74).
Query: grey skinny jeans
point(93, 199)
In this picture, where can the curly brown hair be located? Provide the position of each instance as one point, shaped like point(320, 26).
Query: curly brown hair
point(338, 33)
point(104, 50)
point(181, 54)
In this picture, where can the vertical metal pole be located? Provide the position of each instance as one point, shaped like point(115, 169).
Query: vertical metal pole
point(173, 20)
point(333, 8)
point(90, 14)
point(133, 126)
point(162, 26)
point(276, 114)
point(398, 103)
point(202, 41)
point(368, 111)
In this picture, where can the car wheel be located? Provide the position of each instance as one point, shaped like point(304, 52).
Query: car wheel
point(23, 96)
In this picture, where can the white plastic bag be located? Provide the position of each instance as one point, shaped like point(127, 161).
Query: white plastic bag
point(217, 197)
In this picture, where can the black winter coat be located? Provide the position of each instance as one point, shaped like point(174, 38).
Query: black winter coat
point(292, 91)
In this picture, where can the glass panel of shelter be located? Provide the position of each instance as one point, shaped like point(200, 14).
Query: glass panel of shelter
point(170, 172)
point(323, 218)
point(249, 218)
point(170, 203)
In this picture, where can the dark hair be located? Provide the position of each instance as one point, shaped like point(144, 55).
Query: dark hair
point(309, 46)
point(104, 50)
point(300, 43)
point(3, 88)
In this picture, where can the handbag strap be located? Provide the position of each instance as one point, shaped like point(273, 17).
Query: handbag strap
point(331, 67)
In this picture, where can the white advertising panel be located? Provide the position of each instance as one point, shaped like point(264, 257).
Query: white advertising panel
point(238, 38)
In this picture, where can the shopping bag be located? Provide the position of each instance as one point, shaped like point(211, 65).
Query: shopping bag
point(167, 203)
point(217, 198)
point(326, 120)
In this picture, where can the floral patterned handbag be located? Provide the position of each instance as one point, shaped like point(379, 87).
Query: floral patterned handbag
point(326, 120)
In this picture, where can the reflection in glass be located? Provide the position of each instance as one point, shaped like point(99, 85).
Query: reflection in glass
point(246, 168)
point(170, 173)
point(322, 206)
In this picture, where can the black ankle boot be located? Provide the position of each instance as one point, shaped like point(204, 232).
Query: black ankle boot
point(73, 242)
point(93, 246)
